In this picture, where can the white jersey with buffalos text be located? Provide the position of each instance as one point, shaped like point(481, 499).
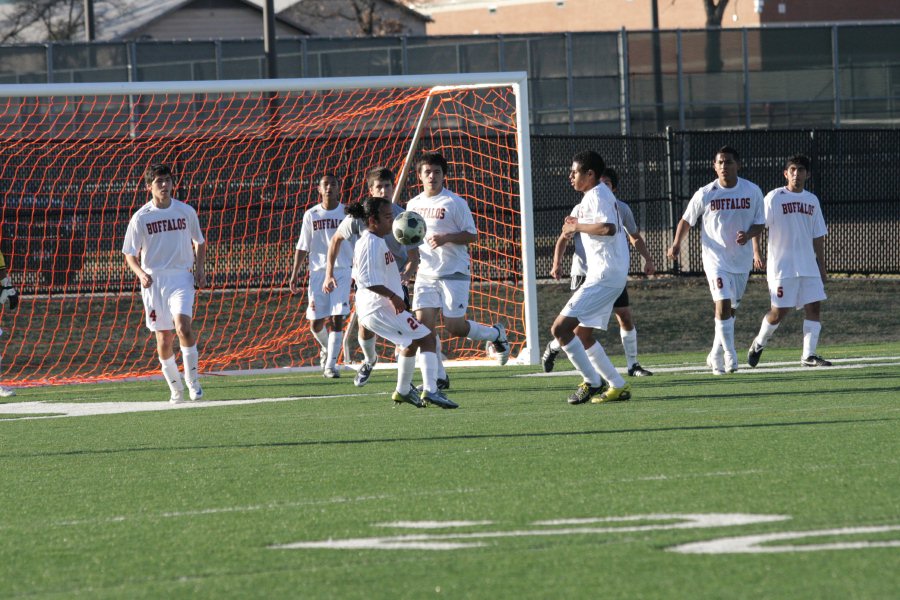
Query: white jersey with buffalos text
point(794, 221)
point(162, 237)
point(725, 212)
point(374, 264)
point(443, 213)
point(606, 255)
point(319, 225)
point(579, 264)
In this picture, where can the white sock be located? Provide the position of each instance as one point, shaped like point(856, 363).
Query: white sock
point(321, 337)
point(441, 372)
point(578, 357)
point(765, 333)
point(604, 366)
point(554, 345)
point(728, 338)
point(479, 332)
point(335, 339)
point(190, 357)
point(173, 376)
point(406, 366)
point(429, 372)
point(811, 330)
point(718, 341)
point(629, 343)
point(368, 349)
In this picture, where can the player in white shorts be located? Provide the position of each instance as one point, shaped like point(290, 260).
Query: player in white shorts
point(380, 183)
point(598, 223)
point(163, 243)
point(10, 297)
point(621, 307)
point(795, 269)
point(381, 308)
point(731, 210)
point(443, 278)
point(325, 310)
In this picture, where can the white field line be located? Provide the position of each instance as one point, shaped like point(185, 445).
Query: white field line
point(53, 410)
point(861, 362)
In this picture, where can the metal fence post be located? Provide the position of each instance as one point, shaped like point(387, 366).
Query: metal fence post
point(624, 96)
point(218, 49)
point(49, 53)
point(746, 78)
point(680, 58)
point(670, 182)
point(836, 74)
point(570, 85)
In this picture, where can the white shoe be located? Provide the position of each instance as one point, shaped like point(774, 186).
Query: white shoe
point(716, 363)
point(177, 399)
point(331, 373)
point(195, 391)
point(6, 392)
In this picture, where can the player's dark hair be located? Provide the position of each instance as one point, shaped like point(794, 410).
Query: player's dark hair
point(377, 174)
point(370, 207)
point(155, 170)
point(729, 150)
point(801, 160)
point(325, 175)
point(433, 159)
point(613, 177)
point(590, 161)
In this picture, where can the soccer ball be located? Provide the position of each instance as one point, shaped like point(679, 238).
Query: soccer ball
point(409, 228)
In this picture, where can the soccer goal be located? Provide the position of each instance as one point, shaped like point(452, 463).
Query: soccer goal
point(247, 156)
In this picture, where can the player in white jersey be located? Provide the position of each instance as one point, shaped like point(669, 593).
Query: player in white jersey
point(163, 243)
point(10, 297)
point(381, 308)
point(380, 183)
point(731, 213)
point(443, 278)
point(325, 310)
point(621, 307)
point(795, 270)
point(598, 223)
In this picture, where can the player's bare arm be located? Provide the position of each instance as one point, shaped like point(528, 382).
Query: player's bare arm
point(299, 256)
point(200, 265)
point(462, 237)
point(396, 301)
point(572, 226)
point(637, 240)
point(745, 236)
point(819, 249)
point(759, 263)
point(558, 251)
point(674, 251)
point(334, 247)
point(135, 266)
point(412, 266)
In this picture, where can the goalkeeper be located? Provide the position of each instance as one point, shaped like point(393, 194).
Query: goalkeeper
point(10, 298)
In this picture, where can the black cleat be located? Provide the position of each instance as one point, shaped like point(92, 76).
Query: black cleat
point(548, 359)
point(754, 353)
point(815, 361)
point(636, 370)
point(584, 393)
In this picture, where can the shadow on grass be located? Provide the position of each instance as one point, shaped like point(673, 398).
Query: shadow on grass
point(461, 437)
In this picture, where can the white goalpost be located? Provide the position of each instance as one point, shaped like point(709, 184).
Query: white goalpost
point(247, 156)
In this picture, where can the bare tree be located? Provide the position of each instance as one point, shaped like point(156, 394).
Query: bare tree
point(49, 20)
point(346, 17)
point(714, 13)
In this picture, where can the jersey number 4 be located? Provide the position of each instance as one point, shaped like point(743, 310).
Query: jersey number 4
point(153, 315)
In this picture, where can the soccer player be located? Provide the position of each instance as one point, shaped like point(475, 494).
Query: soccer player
point(380, 183)
point(621, 307)
point(731, 211)
point(796, 261)
point(381, 308)
point(10, 298)
point(442, 282)
point(326, 310)
point(163, 243)
point(599, 225)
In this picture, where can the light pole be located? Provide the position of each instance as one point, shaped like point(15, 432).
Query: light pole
point(657, 68)
point(89, 34)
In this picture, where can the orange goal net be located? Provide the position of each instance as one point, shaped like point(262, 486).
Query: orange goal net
point(247, 157)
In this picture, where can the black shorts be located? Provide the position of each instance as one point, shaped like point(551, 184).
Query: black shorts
point(622, 300)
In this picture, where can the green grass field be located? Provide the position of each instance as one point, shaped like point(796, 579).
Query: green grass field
point(334, 493)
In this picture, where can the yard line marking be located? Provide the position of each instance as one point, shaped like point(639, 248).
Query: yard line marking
point(752, 544)
point(432, 524)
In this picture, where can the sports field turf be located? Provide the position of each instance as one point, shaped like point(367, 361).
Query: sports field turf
point(334, 493)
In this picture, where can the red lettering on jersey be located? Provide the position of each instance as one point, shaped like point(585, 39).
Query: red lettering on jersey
point(729, 204)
